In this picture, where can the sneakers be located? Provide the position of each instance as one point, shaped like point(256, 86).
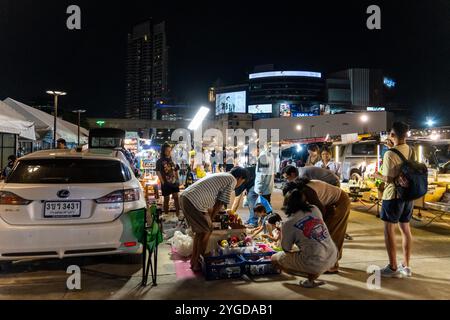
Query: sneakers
point(387, 272)
point(405, 271)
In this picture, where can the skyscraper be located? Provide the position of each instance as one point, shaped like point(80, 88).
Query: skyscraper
point(147, 70)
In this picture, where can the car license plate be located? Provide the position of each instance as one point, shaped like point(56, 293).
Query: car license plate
point(63, 209)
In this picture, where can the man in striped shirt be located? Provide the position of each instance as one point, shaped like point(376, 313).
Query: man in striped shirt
point(202, 201)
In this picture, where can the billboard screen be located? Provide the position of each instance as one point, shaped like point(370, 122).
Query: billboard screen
point(260, 108)
point(285, 110)
point(231, 102)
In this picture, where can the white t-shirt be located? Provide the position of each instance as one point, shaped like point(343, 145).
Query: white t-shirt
point(391, 168)
point(308, 231)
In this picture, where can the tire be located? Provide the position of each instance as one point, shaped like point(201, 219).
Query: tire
point(5, 267)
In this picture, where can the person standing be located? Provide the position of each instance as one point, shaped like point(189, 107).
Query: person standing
point(249, 188)
point(396, 211)
point(328, 163)
point(61, 144)
point(313, 155)
point(203, 200)
point(183, 171)
point(167, 173)
point(9, 166)
point(265, 174)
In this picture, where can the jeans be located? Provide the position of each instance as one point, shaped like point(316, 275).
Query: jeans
point(252, 197)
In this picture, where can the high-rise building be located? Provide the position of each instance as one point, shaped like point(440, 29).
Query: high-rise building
point(355, 89)
point(147, 70)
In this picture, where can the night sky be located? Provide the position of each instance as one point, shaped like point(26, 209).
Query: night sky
point(222, 39)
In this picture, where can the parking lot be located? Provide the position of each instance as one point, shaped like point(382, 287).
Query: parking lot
point(112, 277)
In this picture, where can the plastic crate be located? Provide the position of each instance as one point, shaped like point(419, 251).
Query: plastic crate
point(256, 264)
point(223, 267)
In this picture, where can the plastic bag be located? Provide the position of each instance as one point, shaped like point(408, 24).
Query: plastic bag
point(183, 244)
point(265, 203)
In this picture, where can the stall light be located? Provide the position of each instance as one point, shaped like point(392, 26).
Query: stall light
point(420, 154)
point(378, 157)
point(434, 136)
point(198, 119)
point(298, 127)
point(337, 154)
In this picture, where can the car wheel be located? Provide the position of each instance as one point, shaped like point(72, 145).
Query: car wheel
point(5, 267)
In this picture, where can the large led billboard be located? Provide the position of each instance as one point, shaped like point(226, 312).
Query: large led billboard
point(260, 108)
point(231, 102)
point(274, 74)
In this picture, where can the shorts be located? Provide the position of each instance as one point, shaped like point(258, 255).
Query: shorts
point(168, 189)
point(200, 222)
point(397, 210)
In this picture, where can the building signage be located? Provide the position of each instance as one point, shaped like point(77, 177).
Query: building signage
point(303, 114)
point(272, 74)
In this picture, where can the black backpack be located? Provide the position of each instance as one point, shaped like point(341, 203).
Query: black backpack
point(412, 182)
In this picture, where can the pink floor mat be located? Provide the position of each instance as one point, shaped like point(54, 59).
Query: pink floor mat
point(183, 267)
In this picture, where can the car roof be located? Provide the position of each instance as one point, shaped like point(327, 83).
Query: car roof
point(99, 154)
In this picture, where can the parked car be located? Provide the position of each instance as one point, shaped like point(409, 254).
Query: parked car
point(358, 159)
point(68, 203)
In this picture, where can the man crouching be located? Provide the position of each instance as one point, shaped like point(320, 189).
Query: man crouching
point(203, 200)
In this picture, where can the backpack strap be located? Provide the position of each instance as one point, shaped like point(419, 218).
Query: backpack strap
point(397, 152)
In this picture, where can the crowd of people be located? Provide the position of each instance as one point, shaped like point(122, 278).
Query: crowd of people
point(317, 209)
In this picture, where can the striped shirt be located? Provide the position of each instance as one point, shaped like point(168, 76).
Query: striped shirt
point(206, 192)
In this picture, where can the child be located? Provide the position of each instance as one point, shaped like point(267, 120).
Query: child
point(274, 221)
point(261, 214)
point(306, 229)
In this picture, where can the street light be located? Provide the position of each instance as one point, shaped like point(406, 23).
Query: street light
point(364, 119)
point(55, 94)
point(198, 119)
point(298, 127)
point(430, 122)
point(79, 112)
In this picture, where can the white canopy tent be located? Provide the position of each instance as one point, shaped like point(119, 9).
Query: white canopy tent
point(43, 121)
point(24, 129)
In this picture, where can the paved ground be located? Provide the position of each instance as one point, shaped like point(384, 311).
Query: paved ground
point(116, 278)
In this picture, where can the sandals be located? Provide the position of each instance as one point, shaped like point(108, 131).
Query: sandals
point(308, 284)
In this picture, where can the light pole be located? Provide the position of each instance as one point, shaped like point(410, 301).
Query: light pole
point(79, 112)
point(55, 94)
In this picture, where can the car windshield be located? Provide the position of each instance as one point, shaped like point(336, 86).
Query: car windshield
point(364, 149)
point(49, 171)
point(106, 142)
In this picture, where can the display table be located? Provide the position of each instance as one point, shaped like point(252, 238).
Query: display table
point(218, 235)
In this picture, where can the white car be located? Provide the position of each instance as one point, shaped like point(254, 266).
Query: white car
point(64, 203)
point(358, 159)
